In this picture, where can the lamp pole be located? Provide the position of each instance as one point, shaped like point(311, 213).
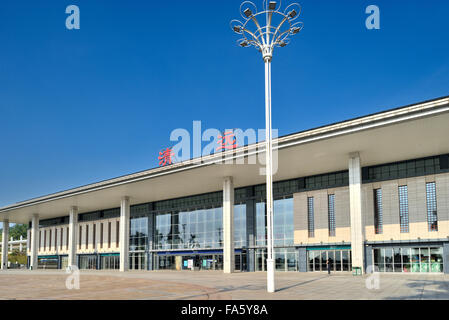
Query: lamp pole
point(266, 30)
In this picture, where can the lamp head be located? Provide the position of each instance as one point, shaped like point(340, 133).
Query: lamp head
point(292, 14)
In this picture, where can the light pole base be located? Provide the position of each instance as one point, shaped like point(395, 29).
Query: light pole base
point(271, 288)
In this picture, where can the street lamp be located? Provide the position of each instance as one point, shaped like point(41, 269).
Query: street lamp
point(266, 30)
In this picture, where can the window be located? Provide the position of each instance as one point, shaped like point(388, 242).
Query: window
point(408, 260)
point(138, 235)
point(80, 236)
point(240, 226)
point(432, 217)
point(49, 241)
point(94, 243)
point(109, 235)
point(87, 236)
point(378, 212)
point(282, 223)
point(45, 239)
point(101, 235)
point(67, 239)
point(403, 209)
point(88, 262)
point(331, 212)
point(310, 215)
point(404, 169)
point(117, 233)
point(202, 228)
point(340, 260)
point(61, 237)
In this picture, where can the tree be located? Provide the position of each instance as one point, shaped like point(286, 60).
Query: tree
point(18, 230)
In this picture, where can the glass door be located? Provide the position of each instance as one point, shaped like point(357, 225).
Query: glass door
point(261, 256)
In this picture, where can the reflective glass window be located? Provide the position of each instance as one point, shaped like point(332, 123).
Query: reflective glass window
point(403, 209)
point(432, 216)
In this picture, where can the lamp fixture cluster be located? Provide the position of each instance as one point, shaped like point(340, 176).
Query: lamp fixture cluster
point(268, 28)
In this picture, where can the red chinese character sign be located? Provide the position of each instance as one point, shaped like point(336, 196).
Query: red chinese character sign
point(166, 157)
point(227, 141)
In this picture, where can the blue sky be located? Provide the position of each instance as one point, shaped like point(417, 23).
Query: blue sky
point(79, 106)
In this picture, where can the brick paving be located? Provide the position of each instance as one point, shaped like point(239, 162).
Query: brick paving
point(106, 285)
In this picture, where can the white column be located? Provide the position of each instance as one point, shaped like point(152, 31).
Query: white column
point(355, 194)
point(34, 241)
point(20, 244)
point(5, 246)
point(228, 226)
point(124, 234)
point(73, 227)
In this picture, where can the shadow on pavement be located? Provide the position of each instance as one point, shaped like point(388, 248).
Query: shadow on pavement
point(439, 290)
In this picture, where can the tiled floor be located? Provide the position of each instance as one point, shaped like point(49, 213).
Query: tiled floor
point(216, 285)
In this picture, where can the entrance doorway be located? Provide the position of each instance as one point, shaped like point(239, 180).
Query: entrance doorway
point(190, 262)
point(137, 261)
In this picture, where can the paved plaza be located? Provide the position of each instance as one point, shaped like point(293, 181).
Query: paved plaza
point(51, 285)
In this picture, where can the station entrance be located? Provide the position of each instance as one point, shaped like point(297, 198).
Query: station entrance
point(197, 261)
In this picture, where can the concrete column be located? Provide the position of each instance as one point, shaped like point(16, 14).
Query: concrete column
point(302, 259)
point(34, 241)
point(20, 245)
point(355, 199)
point(5, 246)
point(228, 226)
point(73, 228)
point(369, 259)
point(124, 234)
point(446, 257)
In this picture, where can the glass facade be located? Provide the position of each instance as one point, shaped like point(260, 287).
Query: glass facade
point(407, 259)
point(110, 262)
point(240, 226)
point(50, 262)
point(64, 262)
point(378, 211)
point(87, 262)
point(403, 169)
point(432, 215)
point(199, 229)
point(138, 234)
point(261, 224)
point(286, 259)
point(282, 223)
point(403, 209)
point(137, 260)
point(331, 214)
point(340, 260)
point(186, 261)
